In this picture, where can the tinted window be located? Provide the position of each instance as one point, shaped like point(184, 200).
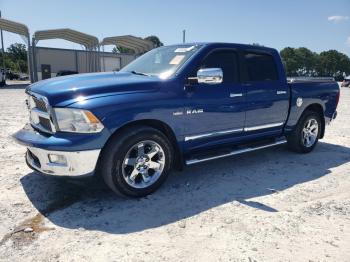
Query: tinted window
point(260, 67)
point(227, 61)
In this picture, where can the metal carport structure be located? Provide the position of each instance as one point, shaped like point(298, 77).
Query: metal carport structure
point(137, 44)
point(22, 30)
point(90, 43)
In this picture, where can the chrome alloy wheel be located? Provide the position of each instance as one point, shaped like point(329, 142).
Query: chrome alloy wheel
point(143, 164)
point(310, 132)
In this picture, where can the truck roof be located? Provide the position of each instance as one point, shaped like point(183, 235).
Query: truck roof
point(243, 46)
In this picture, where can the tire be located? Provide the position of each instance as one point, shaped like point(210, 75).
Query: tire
point(306, 134)
point(136, 162)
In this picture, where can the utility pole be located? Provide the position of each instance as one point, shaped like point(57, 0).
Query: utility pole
point(2, 48)
point(183, 36)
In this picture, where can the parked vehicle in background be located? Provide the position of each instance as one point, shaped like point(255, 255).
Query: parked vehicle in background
point(2, 77)
point(175, 105)
point(66, 72)
point(11, 75)
point(346, 82)
point(23, 77)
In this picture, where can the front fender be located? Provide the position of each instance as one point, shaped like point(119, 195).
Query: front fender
point(119, 110)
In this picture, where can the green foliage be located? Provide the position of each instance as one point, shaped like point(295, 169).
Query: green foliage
point(15, 58)
point(122, 50)
point(333, 63)
point(155, 40)
point(303, 62)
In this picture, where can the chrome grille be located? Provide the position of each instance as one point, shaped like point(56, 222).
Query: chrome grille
point(39, 110)
point(45, 123)
point(40, 104)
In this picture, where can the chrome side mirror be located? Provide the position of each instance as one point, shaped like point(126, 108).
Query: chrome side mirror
point(210, 76)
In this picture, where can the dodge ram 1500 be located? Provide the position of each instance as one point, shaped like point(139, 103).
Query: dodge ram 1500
point(173, 106)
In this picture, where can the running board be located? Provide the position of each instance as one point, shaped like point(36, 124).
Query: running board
point(235, 152)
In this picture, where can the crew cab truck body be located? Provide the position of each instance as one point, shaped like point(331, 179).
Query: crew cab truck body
point(175, 105)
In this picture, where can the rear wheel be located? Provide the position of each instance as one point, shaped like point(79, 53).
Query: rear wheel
point(306, 134)
point(136, 163)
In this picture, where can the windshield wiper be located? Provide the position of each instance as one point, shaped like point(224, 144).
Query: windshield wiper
point(138, 73)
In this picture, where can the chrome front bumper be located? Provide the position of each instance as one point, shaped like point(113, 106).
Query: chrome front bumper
point(76, 163)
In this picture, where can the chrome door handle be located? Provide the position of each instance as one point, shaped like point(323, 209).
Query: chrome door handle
point(281, 92)
point(236, 95)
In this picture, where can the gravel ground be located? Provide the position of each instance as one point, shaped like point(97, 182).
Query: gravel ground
point(269, 205)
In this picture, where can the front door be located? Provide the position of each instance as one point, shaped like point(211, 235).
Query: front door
point(215, 111)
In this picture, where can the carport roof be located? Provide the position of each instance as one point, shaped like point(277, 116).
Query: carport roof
point(137, 44)
point(14, 27)
point(71, 35)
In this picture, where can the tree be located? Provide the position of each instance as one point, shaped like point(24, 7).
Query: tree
point(290, 60)
point(17, 51)
point(307, 62)
point(155, 40)
point(299, 61)
point(303, 62)
point(122, 50)
point(16, 57)
point(333, 63)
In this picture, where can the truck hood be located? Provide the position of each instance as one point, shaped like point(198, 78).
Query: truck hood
point(65, 90)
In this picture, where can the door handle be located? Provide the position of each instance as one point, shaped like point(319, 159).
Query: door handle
point(236, 95)
point(281, 92)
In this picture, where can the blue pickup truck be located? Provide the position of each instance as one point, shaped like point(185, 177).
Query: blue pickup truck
point(173, 106)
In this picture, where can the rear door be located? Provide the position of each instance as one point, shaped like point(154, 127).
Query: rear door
point(267, 97)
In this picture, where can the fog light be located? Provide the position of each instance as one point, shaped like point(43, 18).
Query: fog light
point(57, 159)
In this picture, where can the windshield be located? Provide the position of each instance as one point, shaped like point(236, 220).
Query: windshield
point(163, 61)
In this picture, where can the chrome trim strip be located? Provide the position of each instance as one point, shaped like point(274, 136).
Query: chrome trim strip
point(252, 128)
point(246, 129)
point(232, 95)
point(235, 152)
point(188, 138)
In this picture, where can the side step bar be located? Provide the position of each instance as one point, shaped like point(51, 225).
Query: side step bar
point(236, 152)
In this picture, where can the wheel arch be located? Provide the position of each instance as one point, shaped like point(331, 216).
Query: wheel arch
point(317, 108)
point(160, 126)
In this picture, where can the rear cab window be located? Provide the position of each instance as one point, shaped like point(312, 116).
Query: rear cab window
point(260, 67)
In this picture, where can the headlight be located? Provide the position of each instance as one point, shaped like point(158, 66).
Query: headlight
point(77, 120)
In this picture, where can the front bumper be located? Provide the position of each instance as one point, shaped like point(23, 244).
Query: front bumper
point(76, 163)
point(78, 153)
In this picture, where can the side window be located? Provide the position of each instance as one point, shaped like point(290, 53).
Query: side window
point(260, 67)
point(227, 61)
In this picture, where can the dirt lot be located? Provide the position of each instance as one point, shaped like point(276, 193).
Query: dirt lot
point(270, 205)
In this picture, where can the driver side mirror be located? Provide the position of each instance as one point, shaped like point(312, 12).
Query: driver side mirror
point(210, 76)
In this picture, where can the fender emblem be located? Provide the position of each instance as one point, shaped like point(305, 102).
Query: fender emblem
point(194, 111)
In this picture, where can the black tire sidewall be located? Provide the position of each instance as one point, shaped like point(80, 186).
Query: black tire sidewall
point(118, 153)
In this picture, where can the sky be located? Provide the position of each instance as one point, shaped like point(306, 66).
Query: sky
point(317, 25)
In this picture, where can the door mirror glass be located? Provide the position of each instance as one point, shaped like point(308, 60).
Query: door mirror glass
point(210, 76)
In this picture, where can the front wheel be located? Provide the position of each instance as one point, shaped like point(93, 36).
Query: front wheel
point(306, 134)
point(136, 163)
